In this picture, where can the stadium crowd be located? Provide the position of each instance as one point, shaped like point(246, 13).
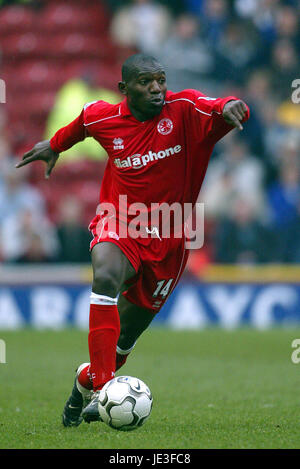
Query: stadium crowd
point(248, 48)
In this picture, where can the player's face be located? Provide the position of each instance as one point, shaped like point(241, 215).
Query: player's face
point(146, 91)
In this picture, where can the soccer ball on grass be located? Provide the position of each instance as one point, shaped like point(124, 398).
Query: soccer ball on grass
point(125, 403)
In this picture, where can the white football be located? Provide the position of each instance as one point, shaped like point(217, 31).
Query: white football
point(125, 403)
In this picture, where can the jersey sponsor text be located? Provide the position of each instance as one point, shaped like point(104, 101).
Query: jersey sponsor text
point(138, 161)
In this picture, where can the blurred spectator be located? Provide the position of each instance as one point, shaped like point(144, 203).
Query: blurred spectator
point(188, 60)
point(216, 18)
point(144, 24)
point(69, 102)
point(284, 67)
point(214, 15)
point(23, 220)
point(258, 93)
point(17, 196)
point(234, 174)
point(274, 132)
point(28, 237)
point(288, 114)
point(287, 24)
point(292, 251)
point(238, 51)
point(284, 197)
point(74, 237)
point(262, 13)
point(242, 238)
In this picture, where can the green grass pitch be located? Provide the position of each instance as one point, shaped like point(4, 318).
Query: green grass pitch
point(211, 389)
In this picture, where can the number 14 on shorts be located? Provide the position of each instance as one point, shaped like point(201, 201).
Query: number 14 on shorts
point(163, 288)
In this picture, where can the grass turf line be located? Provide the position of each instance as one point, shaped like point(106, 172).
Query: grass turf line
point(211, 388)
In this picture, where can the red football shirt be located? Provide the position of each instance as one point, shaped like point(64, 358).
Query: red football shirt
point(163, 159)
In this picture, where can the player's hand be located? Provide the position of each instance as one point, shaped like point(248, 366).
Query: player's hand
point(234, 112)
point(41, 151)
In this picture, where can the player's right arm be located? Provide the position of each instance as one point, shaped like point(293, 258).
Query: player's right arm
point(49, 150)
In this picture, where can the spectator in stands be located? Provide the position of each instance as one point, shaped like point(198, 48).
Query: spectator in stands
point(235, 173)
point(213, 14)
point(188, 59)
point(274, 132)
point(292, 252)
point(143, 25)
point(74, 238)
point(262, 13)
point(69, 102)
point(242, 238)
point(287, 24)
point(17, 195)
point(284, 67)
point(23, 220)
point(28, 237)
point(215, 18)
point(284, 196)
point(259, 95)
point(238, 52)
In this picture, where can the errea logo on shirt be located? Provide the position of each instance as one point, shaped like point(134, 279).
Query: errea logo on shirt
point(137, 161)
point(118, 144)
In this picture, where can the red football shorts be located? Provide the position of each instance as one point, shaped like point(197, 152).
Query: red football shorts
point(158, 262)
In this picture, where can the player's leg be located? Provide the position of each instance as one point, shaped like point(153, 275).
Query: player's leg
point(151, 289)
point(111, 269)
point(134, 321)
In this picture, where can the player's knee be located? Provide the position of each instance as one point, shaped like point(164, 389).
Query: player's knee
point(105, 283)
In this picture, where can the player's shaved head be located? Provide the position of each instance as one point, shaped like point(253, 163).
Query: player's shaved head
point(137, 63)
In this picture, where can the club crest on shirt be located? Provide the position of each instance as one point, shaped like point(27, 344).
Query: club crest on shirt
point(165, 126)
point(118, 144)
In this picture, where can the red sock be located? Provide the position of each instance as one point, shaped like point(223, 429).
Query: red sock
point(84, 378)
point(104, 331)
